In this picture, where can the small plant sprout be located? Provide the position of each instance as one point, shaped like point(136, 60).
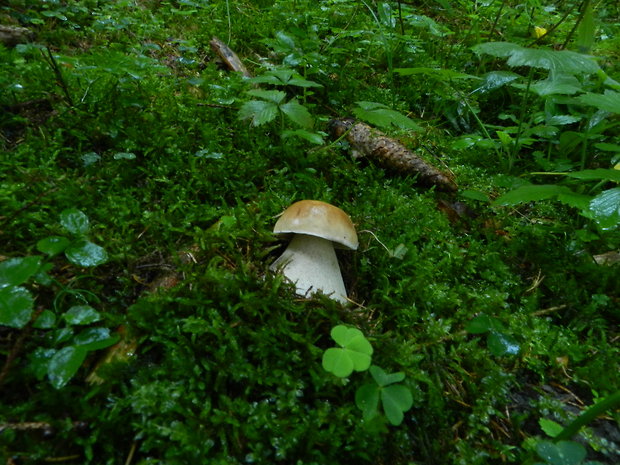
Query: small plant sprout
point(395, 398)
point(354, 353)
point(310, 260)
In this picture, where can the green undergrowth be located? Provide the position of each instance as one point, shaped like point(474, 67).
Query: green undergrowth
point(495, 308)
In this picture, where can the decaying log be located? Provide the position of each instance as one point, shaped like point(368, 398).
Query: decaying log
point(13, 35)
point(229, 57)
point(389, 153)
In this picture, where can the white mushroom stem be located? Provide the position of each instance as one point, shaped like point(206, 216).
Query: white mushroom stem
point(310, 262)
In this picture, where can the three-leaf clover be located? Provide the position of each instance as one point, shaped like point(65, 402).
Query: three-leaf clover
point(395, 399)
point(354, 353)
point(271, 104)
point(498, 342)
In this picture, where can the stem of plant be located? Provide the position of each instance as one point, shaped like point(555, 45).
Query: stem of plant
point(515, 148)
point(589, 415)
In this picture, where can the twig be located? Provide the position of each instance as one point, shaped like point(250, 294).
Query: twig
point(60, 80)
point(545, 311)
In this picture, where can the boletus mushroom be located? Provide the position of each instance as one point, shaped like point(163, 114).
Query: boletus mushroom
point(310, 260)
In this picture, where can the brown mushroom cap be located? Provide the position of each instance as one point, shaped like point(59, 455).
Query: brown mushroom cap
point(319, 219)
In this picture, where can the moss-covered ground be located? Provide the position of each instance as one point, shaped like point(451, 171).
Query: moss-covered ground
point(502, 316)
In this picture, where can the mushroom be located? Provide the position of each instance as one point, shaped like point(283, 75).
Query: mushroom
point(310, 260)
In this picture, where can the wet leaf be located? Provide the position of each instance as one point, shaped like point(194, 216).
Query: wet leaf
point(16, 271)
point(81, 315)
point(562, 453)
point(74, 221)
point(53, 245)
point(95, 338)
point(85, 253)
point(501, 344)
point(606, 208)
point(16, 305)
point(65, 364)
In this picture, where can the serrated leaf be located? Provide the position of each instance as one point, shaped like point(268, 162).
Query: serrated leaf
point(16, 271)
point(81, 315)
point(530, 193)
point(16, 305)
point(563, 61)
point(562, 453)
point(53, 245)
point(609, 101)
point(274, 96)
point(297, 113)
point(367, 400)
point(65, 364)
point(495, 80)
point(606, 208)
point(74, 221)
point(597, 174)
point(84, 253)
point(259, 111)
point(501, 344)
point(396, 400)
point(383, 379)
point(380, 115)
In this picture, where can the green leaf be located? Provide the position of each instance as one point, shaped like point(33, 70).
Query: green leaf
point(81, 315)
point(259, 111)
point(439, 73)
point(531, 193)
point(609, 101)
point(367, 400)
point(597, 174)
point(586, 31)
point(53, 245)
point(84, 253)
point(564, 84)
point(562, 453)
point(95, 338)
point(482, 324)
point(501, 344)
point(274, 96)
point(380, 115)
point(16, 305)
point(563, 61)
point(65, 364)
point(606, 208)
point(284, 77)
point(355, 353)
point(550, 427)
point(383, 379)
point(495, 80)
point(16, 271)
point(297, 113)
point(474, 195)
point(396, 400)
point(124, 156)
point(74, 221)
point(312, 137)
point(46, 320)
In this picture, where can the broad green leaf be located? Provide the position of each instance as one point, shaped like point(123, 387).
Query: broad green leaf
point(65, 364)
point(383, 379)
point(607, 147)
point(586, 31)
point(81, 315)
point(563, 61)
point(312, 137)
point(74, 221)
point(606, 208)
point(609, 101)
point(474, 195)
point(16, 305)
point(338, 362)
point(562, 453)
point(275, 96)
point(297, 113)
point(53, 245)
point(439, 73)
point(351, 338)
point(380, 115)
point(564, 84)
point(495, 80)
point(531, 193)
point(259, 111)
point(396, 400)
point(597, 174)
point(95, 338)
point(501, 344)
point(433, 27)
point(284, 77)
point(124, 156)
point(45, 320)
point(85, 253)
point(572, 199)
point(550, 427)
point(367, 400)
point(482, 324)
point(16, 271)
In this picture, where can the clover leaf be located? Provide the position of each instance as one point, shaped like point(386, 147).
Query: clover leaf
point(354, 353)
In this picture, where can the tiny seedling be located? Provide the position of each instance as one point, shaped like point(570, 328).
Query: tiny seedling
point(354, 353)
